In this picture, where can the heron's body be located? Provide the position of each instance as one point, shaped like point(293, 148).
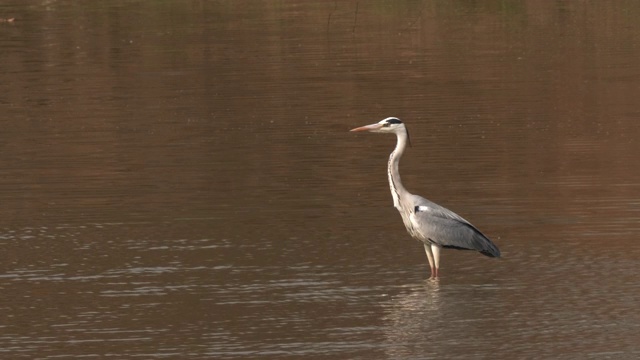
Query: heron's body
point(435, 226)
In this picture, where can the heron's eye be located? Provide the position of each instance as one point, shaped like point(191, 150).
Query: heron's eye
point(386, 125)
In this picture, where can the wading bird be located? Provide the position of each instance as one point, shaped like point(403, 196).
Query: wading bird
point(434, 225)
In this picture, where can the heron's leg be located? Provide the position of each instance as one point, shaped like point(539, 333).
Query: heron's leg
point(435, 249)
point(427, 249)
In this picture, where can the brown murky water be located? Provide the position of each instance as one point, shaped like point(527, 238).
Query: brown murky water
point(177, 179)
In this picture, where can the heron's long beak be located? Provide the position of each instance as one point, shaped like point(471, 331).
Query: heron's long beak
point(367, 127)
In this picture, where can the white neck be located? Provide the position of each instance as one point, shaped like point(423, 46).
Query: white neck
point(395, 184)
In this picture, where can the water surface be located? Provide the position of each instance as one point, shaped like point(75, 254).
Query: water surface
point(178, 179)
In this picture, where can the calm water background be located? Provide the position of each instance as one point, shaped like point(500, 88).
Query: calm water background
point(177, 179)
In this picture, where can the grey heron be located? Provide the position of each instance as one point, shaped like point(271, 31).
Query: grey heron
point(435, 226)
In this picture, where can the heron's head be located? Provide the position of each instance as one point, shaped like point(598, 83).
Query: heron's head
point(388, 125)
point(391, 125)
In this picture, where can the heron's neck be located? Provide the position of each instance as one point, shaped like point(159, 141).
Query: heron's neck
point(397, 189)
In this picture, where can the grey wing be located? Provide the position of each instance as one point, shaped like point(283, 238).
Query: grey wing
point(449, 230)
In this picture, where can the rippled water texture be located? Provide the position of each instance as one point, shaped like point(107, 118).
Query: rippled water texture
point(177, 179)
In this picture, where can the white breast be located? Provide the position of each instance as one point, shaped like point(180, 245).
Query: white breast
point(414, 228)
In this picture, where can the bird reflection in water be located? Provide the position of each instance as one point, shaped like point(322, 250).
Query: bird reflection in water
point(411, 317)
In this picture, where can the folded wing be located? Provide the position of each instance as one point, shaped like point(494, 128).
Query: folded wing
point(449, 230)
